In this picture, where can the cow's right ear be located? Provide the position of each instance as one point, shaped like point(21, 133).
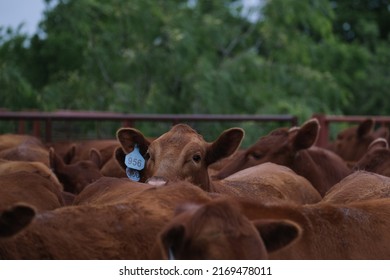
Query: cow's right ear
point(226, 144)
point(129, 137)
point(15, 218)
point(305, 136)
point(365, 128)
point(277, 234)
point(56, 162)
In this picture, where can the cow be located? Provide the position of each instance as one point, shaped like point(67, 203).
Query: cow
point(10, 166)
point(30, 188)
point(110, 190)
point(331, 231)
point(376, 159)
point(217, 230)
point(294, 148)
point(9, 140)
point(105, 231)
point(76, 176)
point(183, 154)
point(352, 143)
point(29, 150)
point(360, 185)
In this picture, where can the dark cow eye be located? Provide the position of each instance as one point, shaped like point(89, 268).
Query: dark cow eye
point(256, 155)
point(196, 158)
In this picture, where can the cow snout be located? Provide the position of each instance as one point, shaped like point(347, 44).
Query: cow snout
point(157, 181)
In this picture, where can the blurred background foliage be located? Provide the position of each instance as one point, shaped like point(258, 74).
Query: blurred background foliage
point(200, 56)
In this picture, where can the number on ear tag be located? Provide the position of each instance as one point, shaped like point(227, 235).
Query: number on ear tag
point(134, 160)
point(133, 174)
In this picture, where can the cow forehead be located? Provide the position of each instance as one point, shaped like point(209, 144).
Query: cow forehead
point(179, 135)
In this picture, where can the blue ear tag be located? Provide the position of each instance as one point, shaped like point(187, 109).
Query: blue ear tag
point(134, 160)
point(133, 174)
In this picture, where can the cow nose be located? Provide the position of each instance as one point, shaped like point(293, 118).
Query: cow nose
point(157, 181)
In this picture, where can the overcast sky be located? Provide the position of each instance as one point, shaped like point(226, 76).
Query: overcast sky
point(14, 12)
point(29, 12)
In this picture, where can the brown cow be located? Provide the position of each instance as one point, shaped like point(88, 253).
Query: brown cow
point(29, 150)
point(376, 159)
point(10, 166)
point(357, 230)
point(110, 231)
point(110, 190)
point(352, 143)
point(10, 140)
point(30, 188)
point(76, 176)
point(183, 154)
point(360, 185)
point(218, 230)
point(294, 148)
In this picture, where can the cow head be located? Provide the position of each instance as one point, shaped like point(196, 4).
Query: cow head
point(76, 176)
point(279, 147)
point(218, 230)
point(179, 154)
point(352, 143)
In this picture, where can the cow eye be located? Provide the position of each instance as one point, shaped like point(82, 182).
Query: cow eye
point(196, 158)
point(256, 155)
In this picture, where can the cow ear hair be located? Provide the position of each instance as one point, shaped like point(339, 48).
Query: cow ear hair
point(56, 162)
point(129, 137)
point(277, 234)
point(378, 144)
point(15, 218)
point(225, 145)
point(172, 240)
point(96, 157)
point(306, 135)
point(365, 128)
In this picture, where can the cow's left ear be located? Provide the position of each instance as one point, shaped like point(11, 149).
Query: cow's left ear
point(277, 234)
point(305, 136)
point(226, 144)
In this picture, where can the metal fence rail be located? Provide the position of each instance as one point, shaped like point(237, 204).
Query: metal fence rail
point(129, 120)
point(327, 120)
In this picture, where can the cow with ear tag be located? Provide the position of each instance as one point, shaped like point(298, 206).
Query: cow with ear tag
point(181, 154)
point(294, 148)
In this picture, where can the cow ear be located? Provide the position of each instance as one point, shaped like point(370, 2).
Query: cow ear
point(305, 136)
point(120, 157)
point(226, 144)
point(277, 234)
point(70, 154)
point(96, 157)
point(172, 240)
point(15, 218)
point(365, 128)
point(379, 143)
point(129, 137)
point(382, 132)
point(56, 162)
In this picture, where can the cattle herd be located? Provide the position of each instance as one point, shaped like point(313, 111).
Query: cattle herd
point(178, 196)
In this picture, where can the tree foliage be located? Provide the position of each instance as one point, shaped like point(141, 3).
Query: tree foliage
point(180, 56)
